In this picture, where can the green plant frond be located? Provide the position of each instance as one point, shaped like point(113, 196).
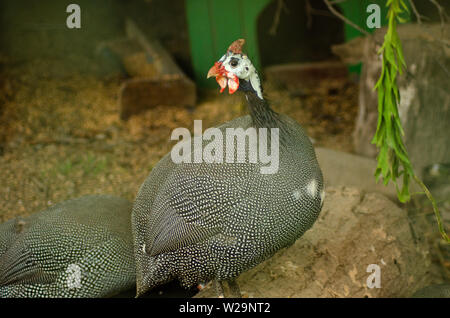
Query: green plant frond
point(393, 160)
point(397, 100)
point(380, 110)
point(389, 56)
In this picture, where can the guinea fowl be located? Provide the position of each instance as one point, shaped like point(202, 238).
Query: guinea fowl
point(78, 248)
point(197, 222)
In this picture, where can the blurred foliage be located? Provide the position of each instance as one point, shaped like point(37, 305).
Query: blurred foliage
point(392, 160)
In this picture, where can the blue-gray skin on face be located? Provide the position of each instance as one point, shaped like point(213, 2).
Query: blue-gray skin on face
point(201, 221)
point(77, 248)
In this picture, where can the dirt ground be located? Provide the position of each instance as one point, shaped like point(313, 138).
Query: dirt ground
point(61, 136)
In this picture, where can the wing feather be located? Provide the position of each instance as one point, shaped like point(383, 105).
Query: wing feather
point(184, 214)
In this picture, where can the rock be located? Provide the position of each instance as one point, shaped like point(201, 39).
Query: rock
point(302, 78)
point(332, 259)
point(437, 179)
point(125, 56)
point(345, 169)
point(169, 85)
point(155, 78)
point(139, 94)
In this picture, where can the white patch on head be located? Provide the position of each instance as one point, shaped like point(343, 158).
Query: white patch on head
point(296, 194)
point(311, 188)
point(256, 84)
point(244, 70)
point(322, 196)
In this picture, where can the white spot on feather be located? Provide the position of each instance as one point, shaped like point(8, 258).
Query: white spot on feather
point(254, 81)
point(296, 194)
point(322, 197)
point(143, 248)
point(311, 188)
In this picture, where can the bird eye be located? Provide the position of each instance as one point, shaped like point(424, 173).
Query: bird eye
point(234, 62)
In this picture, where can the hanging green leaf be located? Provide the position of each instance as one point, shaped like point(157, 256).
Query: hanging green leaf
point(393, 160)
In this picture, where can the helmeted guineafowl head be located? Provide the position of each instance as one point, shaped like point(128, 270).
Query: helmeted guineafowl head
point(201, 221)
point(77, 248)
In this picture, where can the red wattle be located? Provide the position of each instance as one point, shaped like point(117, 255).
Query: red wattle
point(222, 81)
point(233, 83)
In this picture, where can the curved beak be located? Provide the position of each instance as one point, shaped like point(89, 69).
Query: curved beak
point(215, 70)
point(224, 78)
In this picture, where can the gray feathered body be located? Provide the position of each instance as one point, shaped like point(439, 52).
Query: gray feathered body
point(41, 255)
point(202, 221)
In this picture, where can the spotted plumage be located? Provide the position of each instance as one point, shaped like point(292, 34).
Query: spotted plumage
point(77, 248)
point(201, 221)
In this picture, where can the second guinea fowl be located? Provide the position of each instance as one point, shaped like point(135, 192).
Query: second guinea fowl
point(197, 222)
point(77, 248)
